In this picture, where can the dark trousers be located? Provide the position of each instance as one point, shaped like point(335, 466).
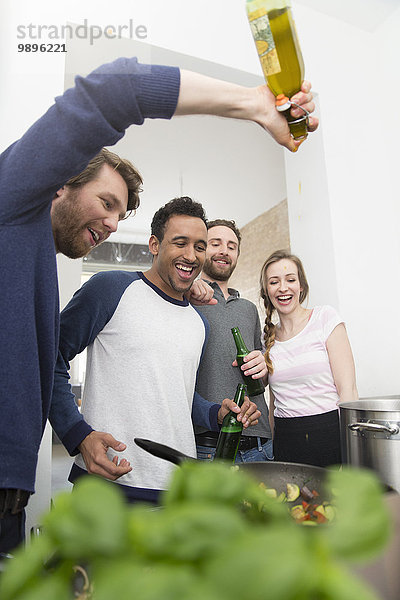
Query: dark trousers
point(12, 531)
point(313, 440)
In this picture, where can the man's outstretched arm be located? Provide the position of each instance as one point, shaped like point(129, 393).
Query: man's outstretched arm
point(200, 94)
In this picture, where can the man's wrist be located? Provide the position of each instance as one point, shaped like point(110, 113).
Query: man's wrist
point(75, 436)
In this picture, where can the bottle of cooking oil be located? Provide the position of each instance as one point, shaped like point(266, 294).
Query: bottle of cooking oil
point(278, 48)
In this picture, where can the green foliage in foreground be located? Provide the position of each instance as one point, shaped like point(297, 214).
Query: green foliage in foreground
point(204, 543)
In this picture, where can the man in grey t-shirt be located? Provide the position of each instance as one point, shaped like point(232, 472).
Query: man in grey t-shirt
point(217, 376)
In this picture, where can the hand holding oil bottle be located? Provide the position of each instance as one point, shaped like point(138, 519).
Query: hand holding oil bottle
point(278, 48)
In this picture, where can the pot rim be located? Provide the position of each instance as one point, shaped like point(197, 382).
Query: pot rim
point(374, 404)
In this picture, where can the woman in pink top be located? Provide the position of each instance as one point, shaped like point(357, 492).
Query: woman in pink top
point(310, 366)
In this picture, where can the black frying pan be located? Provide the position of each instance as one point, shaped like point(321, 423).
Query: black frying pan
point(272, 474)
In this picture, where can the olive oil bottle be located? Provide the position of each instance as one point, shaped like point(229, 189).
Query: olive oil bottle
point(231, 430)
point(278, 48)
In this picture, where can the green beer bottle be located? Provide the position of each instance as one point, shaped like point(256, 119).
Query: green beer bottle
point(275, 36)
point(254, 386)
point(231, 430)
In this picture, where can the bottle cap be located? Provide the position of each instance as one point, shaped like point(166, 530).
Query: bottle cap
point(282, 103)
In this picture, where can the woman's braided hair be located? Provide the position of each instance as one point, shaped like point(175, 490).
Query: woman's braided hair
point(269, 327)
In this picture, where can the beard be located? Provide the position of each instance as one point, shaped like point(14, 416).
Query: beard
point(214, 271)
point(180, 289)
point(68, 234)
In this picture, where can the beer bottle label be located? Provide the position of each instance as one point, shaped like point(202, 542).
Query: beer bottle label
point(265, 43)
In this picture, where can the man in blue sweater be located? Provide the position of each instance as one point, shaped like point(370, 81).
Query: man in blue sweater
point(34, 173)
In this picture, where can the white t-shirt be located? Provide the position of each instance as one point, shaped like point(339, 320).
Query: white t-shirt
point(302, 381)
point(141, 367)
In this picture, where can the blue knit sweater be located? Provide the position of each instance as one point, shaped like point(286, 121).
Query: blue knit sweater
point(93, 114)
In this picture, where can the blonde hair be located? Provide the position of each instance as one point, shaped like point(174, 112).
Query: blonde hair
point(269, 327)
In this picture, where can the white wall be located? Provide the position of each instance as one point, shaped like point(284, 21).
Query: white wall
point(356, 74)
point(310, 223)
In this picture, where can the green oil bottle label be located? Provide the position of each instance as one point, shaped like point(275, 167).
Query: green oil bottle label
point(265, 43)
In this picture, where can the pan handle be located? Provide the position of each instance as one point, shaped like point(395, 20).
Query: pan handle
point(394, 430)
point(161, 451)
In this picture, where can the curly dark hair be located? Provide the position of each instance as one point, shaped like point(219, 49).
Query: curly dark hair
point(226, 223)
point(178, 206)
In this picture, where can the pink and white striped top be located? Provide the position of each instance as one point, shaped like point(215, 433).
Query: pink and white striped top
point(302, 381)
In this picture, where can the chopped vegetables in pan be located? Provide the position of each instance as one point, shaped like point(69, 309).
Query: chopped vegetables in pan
point(308, 510)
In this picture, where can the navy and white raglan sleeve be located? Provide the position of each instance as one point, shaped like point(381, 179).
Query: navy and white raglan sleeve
point(90, 309)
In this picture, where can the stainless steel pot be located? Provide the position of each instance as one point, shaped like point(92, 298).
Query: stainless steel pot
point(370, 436)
